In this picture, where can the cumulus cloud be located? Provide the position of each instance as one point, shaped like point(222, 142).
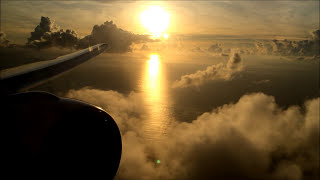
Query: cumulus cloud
point(308, 47)
point(118, 39)
point(214, 72)
point(48, 34)
point(126, 109)
point(316, 35)
point(4, 42)
point(251, 139)
point(215, 48)
point(263, 48)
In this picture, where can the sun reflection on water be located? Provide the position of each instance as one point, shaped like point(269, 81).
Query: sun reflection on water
point(156, 99)
point(153, 66)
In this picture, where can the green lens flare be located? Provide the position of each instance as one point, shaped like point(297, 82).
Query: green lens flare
point(158, 161)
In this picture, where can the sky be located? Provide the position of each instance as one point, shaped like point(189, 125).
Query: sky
point(246, 107)
point(246, 19)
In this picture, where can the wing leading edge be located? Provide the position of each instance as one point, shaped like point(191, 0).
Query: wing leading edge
point(18, 78)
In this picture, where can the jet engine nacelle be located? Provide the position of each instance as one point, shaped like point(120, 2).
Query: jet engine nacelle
point(44, 136)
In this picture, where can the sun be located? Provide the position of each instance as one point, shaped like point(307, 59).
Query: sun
point(155, 19)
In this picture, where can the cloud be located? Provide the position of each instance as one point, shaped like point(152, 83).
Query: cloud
point(263, 48)
point(316, 35)
point(196, 49)
point(118, 39)
point(126, 109)
point(215, 48)
point(265, 81)
point(294, 48)
point(251, 139)
point(48, 34)
point(4, 42)
point(307, 58)
point(214, 72)
point(308, 47)
point(144, 47)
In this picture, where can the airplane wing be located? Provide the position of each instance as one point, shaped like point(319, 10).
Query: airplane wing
point(15, 79)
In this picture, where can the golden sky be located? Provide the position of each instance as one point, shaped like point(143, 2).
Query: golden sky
point(258, 19)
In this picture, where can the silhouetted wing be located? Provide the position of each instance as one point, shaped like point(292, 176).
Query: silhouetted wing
point(15, 79)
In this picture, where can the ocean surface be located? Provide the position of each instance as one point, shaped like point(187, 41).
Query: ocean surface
point(289, 80)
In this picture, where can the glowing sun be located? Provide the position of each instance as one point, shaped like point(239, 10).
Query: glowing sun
point(156, 20)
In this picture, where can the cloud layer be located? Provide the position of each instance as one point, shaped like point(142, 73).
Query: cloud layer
point(48, 34)
point(307, 47)
point(251, 139)
point(214, 72)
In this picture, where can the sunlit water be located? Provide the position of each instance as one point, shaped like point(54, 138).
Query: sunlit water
point(152, 75)
point(154, 88)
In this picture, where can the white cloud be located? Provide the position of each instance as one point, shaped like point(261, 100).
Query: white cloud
point(251, 139)
point(214, 72)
